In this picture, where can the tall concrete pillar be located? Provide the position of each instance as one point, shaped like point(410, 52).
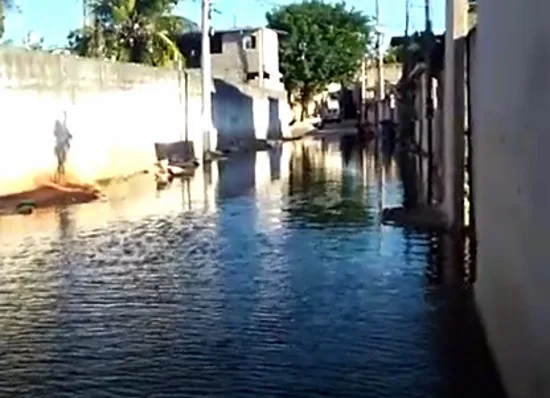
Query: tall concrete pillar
point(511, 138)
point(454, 111)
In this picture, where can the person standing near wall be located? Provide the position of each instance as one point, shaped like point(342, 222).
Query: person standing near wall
point(62, 145)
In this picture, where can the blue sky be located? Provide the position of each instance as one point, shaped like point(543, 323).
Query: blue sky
point(53, 19)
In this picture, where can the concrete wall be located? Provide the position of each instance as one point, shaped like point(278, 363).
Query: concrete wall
point(234, 62)
point(244, 113)
point(392, 74)
point(114, 113)
point(270, 42)
point(511, 143)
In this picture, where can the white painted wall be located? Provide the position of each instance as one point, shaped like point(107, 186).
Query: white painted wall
point(511, 143)
point(114, 112)
point(270, 47)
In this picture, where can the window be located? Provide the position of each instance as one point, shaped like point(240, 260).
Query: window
point(216, 45)
point(249, 42)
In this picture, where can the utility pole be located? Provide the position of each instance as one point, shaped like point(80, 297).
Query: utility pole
point(428, 46)
point(261, 56)
point(380, 65)
point(427, 6)
point(206, 69)
point(454, 112)
point(407, 17)
point(84, 13)
point(363, 89)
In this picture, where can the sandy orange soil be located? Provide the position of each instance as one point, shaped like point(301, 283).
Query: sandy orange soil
point(50, 194)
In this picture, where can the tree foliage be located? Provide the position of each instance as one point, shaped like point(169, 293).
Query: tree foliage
point(322, 43)
point(394, 54)
point(342, 204)
point(140, 31)
point(5, 5)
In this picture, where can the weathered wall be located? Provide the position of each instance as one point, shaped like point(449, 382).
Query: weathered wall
point(114, 113)
point(270, 42)
point(392, 74)
point(234, 62)
point(511, 141)
point(244, 113)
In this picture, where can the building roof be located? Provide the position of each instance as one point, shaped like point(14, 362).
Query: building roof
point(242, 30)
point(248, 29)
point(400, 40)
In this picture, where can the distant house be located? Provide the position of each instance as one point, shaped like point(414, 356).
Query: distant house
point(245, 54)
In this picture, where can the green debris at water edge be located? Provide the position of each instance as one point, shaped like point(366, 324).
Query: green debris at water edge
point(25, 207)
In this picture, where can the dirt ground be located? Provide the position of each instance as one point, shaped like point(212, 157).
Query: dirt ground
point(49, 195)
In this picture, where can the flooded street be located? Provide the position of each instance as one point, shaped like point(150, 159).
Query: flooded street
point(268, 275)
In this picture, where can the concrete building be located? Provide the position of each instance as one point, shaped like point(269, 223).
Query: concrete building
point(392, 73)
point(248, 55)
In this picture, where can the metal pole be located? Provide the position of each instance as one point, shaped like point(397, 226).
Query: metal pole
point(187, 116)
point(407, 16)
point(206, 69)
point(428, 36)
point(260, 45)
point(427, 7)
point(363, 89)
point(84, 13)
point(454, 112)
point(380, 64)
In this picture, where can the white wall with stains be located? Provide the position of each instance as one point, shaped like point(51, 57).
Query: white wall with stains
point(511, 139)
point(114, 114)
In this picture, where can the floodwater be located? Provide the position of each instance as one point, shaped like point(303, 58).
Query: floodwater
point(267, 275)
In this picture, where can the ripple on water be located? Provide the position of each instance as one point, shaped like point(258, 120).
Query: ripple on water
point(295, 290)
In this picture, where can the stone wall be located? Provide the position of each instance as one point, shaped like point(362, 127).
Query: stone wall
point(113, 114)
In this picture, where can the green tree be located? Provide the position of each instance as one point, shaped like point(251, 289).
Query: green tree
point(325, 203)
point(5, 5)
point(393, 55)
point(322, 43)
point(139, 31)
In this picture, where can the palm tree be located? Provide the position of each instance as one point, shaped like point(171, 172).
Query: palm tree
point(140, 31)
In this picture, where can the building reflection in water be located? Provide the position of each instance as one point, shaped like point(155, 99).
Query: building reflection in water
point(321, 181)
point(132, 199)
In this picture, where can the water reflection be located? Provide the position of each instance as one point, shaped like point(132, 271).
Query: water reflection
point(263, 275)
